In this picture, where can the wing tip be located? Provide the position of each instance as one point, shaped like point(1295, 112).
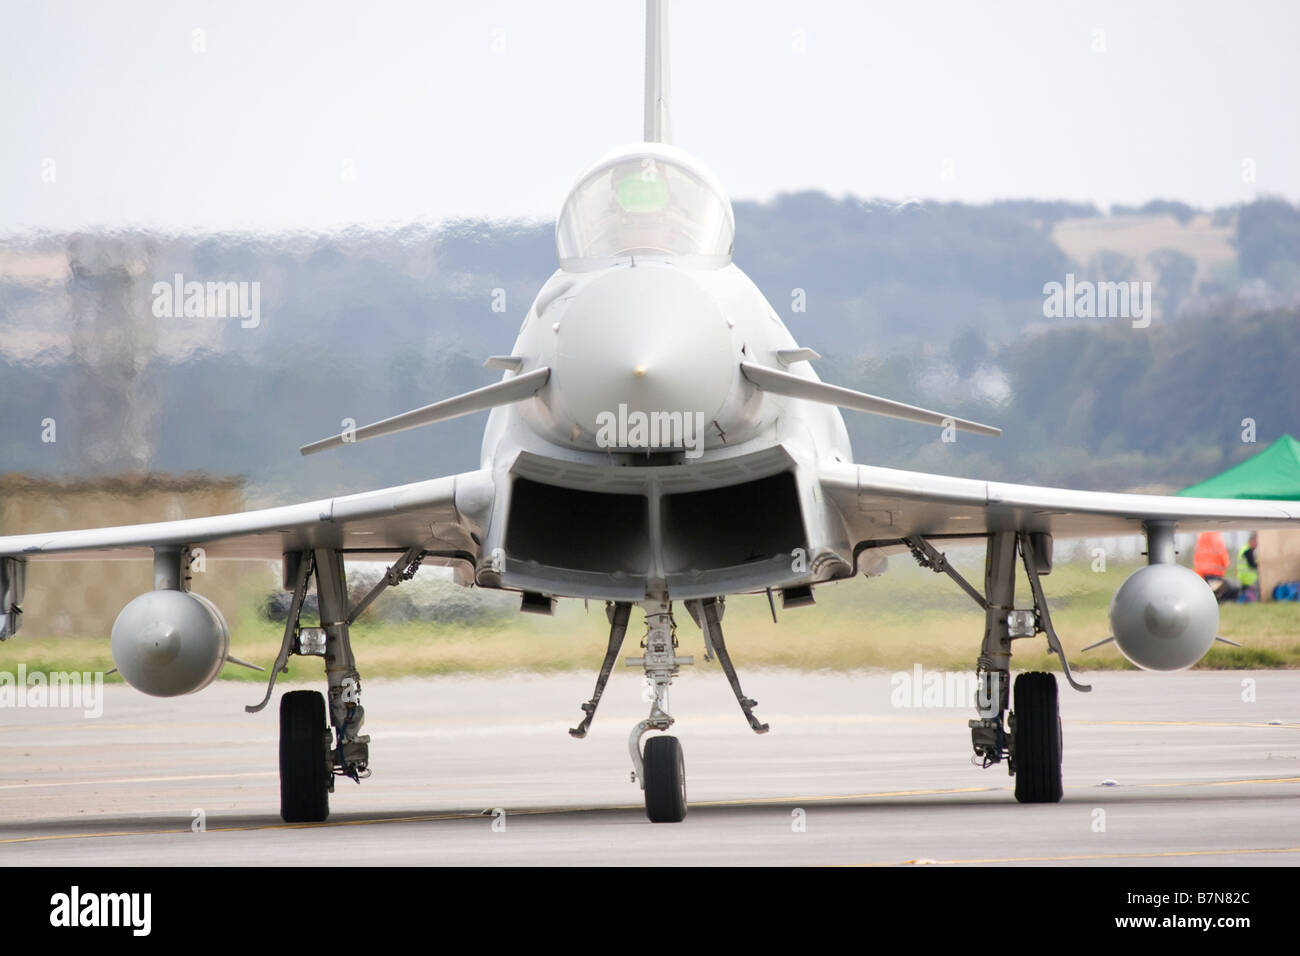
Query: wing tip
point(313, 447)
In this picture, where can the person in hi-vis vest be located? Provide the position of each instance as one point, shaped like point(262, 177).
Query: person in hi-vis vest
point(1211, 561)
point(1248, 570)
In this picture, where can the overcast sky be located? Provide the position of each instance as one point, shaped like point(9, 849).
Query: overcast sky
point(322, 114)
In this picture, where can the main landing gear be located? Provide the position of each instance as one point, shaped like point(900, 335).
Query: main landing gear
point(312, 751)
point(1029, 737)
point(661, 768)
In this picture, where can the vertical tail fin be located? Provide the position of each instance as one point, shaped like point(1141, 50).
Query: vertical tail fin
point(656, 72)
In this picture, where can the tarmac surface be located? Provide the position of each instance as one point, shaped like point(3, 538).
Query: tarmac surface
point(1160, 769)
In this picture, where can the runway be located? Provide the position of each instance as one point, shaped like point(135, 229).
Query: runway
point(1159, 770)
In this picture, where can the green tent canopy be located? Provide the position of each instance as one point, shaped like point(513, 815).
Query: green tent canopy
point(1272, 474)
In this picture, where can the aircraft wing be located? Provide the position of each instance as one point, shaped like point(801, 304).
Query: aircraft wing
point(886, 505)
point(374, 524)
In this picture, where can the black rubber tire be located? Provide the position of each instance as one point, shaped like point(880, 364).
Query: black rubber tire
point(1038, 738)
point(665, 780)
point(304, 758)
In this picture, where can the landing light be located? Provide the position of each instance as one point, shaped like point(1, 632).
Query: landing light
point(1021, 624)
point(311, 641)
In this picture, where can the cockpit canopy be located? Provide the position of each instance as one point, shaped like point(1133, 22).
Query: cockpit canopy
point(647, 199)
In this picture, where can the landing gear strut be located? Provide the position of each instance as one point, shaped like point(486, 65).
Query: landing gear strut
point(708, 614)
point(661, 769)
point(618, 615)
point(1029, 738)
point(313, 753)
point(352, 750)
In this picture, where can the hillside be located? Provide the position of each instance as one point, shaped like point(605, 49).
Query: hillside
point(940, 304)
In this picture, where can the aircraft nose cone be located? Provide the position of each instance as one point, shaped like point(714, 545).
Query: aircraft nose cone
point(645, 340)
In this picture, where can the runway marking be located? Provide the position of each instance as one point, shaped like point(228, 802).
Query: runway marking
point(101, 725)
point(422, 818)
point(1085, 856)
point(471, 815)
point(109, 780)
point(1216, 783)
point(778, 801)
point(1185, 723)
point(480, 729)
point(704, 804)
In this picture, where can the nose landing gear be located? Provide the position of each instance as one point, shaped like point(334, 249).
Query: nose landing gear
point(662, 770)
point(660, 767)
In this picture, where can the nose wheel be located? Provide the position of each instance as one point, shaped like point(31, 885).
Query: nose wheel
point(664, 774)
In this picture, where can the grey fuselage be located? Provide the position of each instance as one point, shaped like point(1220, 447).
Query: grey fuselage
point(741, 510)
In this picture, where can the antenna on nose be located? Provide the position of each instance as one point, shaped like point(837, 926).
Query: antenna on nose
point(656, 72)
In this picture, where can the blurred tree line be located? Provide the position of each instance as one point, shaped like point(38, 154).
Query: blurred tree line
point(940, 304)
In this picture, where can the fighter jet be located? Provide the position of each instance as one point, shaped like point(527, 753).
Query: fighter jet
point(658, 440)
